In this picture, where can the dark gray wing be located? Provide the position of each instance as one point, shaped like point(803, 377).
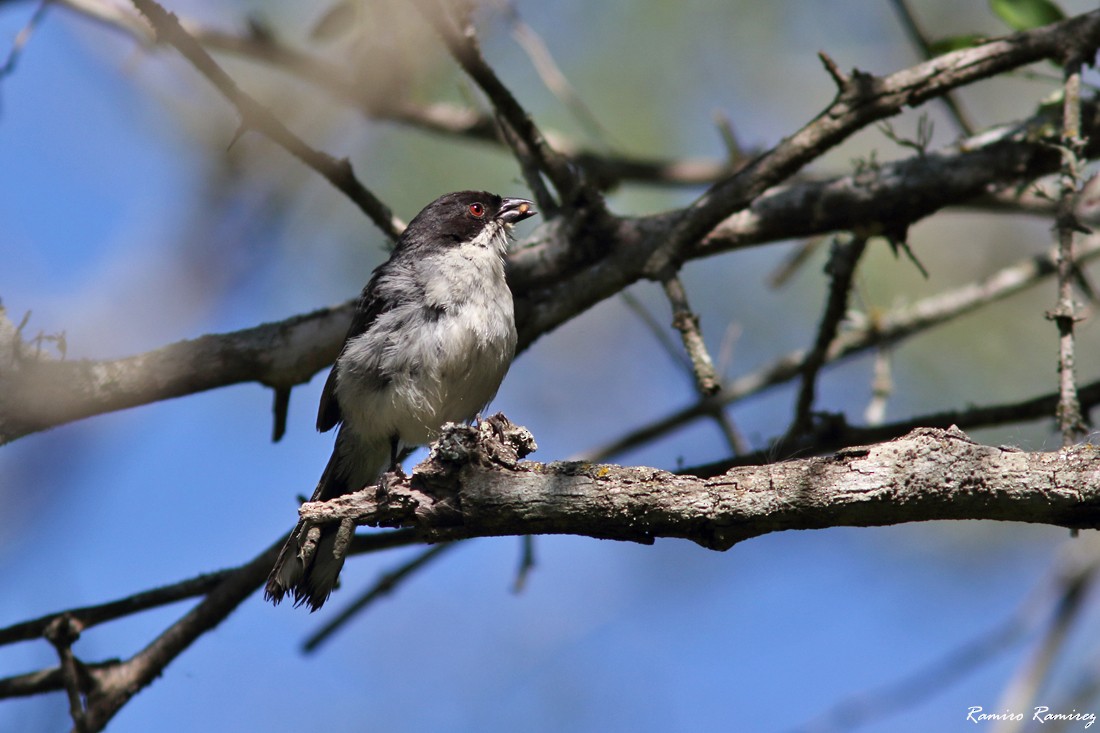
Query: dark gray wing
point(367, 309)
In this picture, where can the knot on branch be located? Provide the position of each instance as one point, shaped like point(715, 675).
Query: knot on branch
point(494, 440)
point(431, 496)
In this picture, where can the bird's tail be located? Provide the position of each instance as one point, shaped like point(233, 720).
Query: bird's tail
point(311, 559)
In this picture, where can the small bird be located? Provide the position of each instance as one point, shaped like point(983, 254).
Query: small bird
point(430, 342)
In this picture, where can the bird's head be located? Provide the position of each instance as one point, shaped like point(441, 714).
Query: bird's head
point(476, 218)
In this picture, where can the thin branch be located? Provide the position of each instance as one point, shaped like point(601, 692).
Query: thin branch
point(733, 436)
point(21, 39)
point(1021, 691)
point(864, 99)
point(548, 287)
point(919, 39)
point(62, 634)
point(837, 434)
point(37, 392)
point(114, 686)
point(550, 73)
point(657, 329)
point(1064, 315)
point(882, 386)
point(686, 322)
point(604, 169)
point(88, 616)
point(461, 40)
point(254, 116)
point(385, 585)
point(914, 688)
point(526, 563)
point(841, 270)
point(891, 328)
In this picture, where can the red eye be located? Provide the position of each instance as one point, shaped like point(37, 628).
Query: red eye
point(477, 210)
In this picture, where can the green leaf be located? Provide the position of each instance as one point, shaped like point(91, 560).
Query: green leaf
point(1022, 15)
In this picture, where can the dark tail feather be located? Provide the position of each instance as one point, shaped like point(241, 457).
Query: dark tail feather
point(311, 559)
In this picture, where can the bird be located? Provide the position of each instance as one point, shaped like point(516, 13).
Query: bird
point(432, 336)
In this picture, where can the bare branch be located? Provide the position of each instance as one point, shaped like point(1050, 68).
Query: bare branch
point(863, 100)
point(916, 687)
point(37, 392)
point(836, 434)
point(473, 486)
point(1021, 691)
point(461, 40)
point(545, 278)
point(22, 38)
point(686, 322)
point(895, 326)
point(385, 585)
point(920, 40)
point(841, 270)
point(254, 116)
point(1070, 420)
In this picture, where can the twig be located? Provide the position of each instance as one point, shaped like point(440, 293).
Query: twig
point(550, 73)
point(686, 322)
point(792, 262)
point(841, 270)
point(254, 116)
point(461, 40)
point(440, 118)
point(840, 435)
point(658, 330)
point(733, 436)
point(1064, 315)
point(864, 99)
point(895, 326)
point(914, 688)
point(1020, 692)
point(89, 616)
point(920, 39)
point(114, 686)
point(882, 385)
point(22, 38)
point(62, 633)
point(526, 563)
point(384, 586)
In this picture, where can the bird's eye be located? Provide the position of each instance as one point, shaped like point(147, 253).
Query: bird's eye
point(477, 210)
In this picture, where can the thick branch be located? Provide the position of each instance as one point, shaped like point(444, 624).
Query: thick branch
point(569, 268)
point(473, 486)
point(37, 392)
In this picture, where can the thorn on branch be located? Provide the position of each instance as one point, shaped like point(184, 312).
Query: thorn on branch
point(280, 409)
point(526, 563)
point(842, 80)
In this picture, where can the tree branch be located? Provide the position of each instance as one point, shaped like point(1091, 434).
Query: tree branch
point(473, 485)
point(863, 99)
point(554, 278)
point(255, 116)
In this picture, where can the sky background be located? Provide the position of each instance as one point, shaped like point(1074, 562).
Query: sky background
point(127, 224)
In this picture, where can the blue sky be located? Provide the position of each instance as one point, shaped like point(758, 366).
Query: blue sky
point(122, 225)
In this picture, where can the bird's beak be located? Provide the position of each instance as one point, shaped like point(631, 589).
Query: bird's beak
point(513, 210)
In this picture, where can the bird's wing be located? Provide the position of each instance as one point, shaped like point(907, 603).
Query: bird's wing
point(367, 309)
